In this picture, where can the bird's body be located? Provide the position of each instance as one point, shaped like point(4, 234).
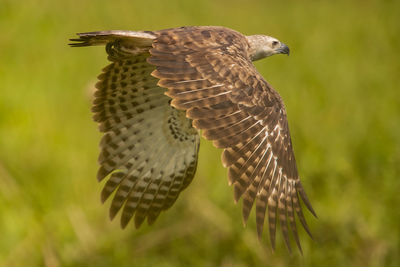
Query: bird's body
point(163, 86)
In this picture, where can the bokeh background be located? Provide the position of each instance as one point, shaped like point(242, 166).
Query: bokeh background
point(341, 89)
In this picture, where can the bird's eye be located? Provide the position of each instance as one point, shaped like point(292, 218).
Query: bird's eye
point(275, 43)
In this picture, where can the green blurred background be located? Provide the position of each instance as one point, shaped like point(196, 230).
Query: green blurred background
point(341, 89)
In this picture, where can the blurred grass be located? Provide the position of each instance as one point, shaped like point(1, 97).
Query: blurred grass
point(340, 86)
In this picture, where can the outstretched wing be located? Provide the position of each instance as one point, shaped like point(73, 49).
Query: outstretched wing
point(149, 149)
point(208, 73)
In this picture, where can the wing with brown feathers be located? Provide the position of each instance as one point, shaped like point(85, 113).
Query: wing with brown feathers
point(149, 149)
point(208, 73)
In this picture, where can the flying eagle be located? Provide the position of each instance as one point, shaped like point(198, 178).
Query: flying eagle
point(160, 89)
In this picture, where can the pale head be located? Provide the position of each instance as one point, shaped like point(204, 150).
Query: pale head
point(262, 46)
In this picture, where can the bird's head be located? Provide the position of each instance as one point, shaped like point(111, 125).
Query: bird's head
point(262, 46)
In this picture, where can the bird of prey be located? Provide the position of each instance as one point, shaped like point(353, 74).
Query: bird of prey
point(160, 89)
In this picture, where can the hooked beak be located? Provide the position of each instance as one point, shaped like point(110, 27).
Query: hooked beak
point(283, 49)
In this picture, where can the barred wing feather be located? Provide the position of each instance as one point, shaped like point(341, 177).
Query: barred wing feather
point(149, 149)
point(209, 74)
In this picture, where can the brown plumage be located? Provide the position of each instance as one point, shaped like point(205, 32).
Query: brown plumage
point(162, 83)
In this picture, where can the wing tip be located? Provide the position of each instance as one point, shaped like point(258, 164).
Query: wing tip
point(126, 217)
point(152, 218)
point(305, 199)
point(104, 37)
point(112, 213)
point(139, 218)
point(83, 40)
